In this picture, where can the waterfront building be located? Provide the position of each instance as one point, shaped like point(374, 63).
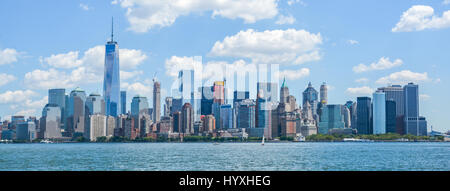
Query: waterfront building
point(156, 101)
point(187, 119)
point(306, 124)
point(123, 102)
point(263, 116)
point(58, 97)
point(110, 125)
point(347, 116)
point(246, 114)
point(97, 126)
point(391, 115)
point(165, 125)
point(111, 80)
point(50, 122)
point(288, 124)
point(379, 112)
point(76, 112)
point(209, 124)
point(207, 100)
point(364, 115)
point(177, 122)
point(95, 104)
point(411, 118)
point(396, 93)
point(331, 118)
point(26, 131)
point(226, 117)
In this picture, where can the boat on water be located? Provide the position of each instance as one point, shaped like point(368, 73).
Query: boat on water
point(262, 143)
point(356, 140)
point(46, 141)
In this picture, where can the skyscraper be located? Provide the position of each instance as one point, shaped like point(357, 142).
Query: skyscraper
point(139, 105)
point(123, 102)
point(226, 116)
point(168, 107)
point(58, 97)
point(50, 122)
point(324, 94)
point(156, 101)
point(95, 104)
point(379, 112)
point(207, 100)
point(284, 92)
point(76, 111)
point(246, 114)
point(411, 97)
point(391, 115)
point(364, 115)
point(331, 118)
point(187, 119)
point(111, 80)
point(311, 95)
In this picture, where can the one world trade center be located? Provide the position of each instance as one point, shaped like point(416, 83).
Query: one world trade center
point(111, 80)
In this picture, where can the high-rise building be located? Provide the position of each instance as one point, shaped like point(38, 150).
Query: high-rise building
point(411, 119)
point(139, 105)
point(177, 122)
point(284, 92)
point(207, 100)
point(219, 92)
point(379, 112)
point(168, 106)
point(347, 116)
point(110, 125)
point(395, 93)
point(76, 112)
point(58, 97)
point(331, 118)
point(324, 94)
point(269, 91)
point(156, 101)
point(391, 115)
point(95, 104)
point(311, 95)
point(246, 114)
point(123, 102)
point(226, 117)
point(111, 80)
point(239, 96)
point(263, 116)
point(97, 126)
point(187, 119)
point(26, 131)
point(50, 122)
point(209, 123)
point(364, 115)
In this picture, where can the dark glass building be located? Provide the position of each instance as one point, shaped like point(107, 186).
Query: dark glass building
point(364, 115)
point(123, 102)
point(391, 115)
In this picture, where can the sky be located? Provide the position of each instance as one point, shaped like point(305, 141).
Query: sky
point(354, 46)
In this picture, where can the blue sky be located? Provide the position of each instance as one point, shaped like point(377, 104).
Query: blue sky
point(355, 46)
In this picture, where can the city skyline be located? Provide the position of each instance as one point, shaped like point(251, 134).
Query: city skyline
point(28, 76)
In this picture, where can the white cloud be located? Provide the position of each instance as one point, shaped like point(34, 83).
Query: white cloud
point(85, 7)
point(175, 64)
point(292, 2)
point(67, 60)
point(285, 20)
point(138, 88)
point(124, 75)
point(365, 90)
point(293, 74)
point(8, 56)
point(382, 64)
point(421, 17)
point(404, 77)
point(18, 96)
point(6, 78)
point(144, 15)
point(270, 46)
point(353, 42)
point(362, 80)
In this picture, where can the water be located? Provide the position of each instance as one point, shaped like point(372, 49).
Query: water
point(226, 156)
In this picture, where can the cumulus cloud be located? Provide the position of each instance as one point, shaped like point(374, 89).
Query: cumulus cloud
point(16, 96)
point(271, 46)
point(8, 56)
point(364, 90)
point(383, 64)
point(6, 78)
point(70, 69)
point(144, 15)
point(404, 77)
point(292, 2)
point(282, 20)
point(421, 17)
point(293, 74)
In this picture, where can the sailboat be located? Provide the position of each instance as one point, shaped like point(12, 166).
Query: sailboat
point(262, 143)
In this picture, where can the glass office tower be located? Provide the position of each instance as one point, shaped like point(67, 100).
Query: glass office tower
point(379, 112)
point(111, 81)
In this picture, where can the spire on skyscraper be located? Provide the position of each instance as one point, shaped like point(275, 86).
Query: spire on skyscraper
point(112, 29)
